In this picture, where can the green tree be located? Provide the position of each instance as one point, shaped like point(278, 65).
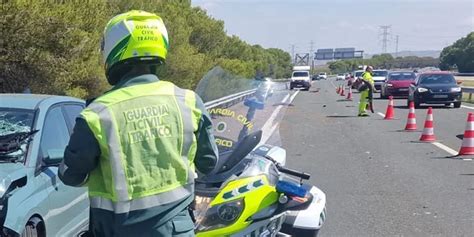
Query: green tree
point(52, 46)
point(460, 54)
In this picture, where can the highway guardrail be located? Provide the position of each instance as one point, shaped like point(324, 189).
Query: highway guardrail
point(468, 90)
point(464, 74)
point(229, 100)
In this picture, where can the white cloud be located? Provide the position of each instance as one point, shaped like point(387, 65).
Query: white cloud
point(205, 4)
point(368, 27)
point(344, 24)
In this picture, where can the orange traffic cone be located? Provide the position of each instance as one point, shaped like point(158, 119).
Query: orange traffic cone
point(342, 91)
point(467, 147)
point(349, 94)
point(428, 131)
point(389, 113)
point(411, 121)
point(338, 90)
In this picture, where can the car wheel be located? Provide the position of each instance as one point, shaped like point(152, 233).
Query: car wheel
point(447, 104)
point(34, 228)
point(457, 104)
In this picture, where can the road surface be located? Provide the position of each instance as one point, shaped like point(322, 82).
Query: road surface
point(380, 181)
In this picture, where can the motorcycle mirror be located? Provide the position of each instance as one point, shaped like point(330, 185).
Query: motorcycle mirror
point(244, 147)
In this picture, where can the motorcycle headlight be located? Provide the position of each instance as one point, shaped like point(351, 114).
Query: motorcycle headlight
point(421, 90)
point(221, 215)
point(456, 89)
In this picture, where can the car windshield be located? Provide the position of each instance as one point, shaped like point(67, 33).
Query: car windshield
point(380, 73)
point(15, 125)
point(340, 74)
point(437, 79)
point(358, 74)
point(322, 73)
point(300, 74)
point(400, 76)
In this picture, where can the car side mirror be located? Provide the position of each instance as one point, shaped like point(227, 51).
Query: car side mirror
point(54, 157)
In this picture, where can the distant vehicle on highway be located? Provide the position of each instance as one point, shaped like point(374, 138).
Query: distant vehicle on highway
point(34, 131)
point(435, 88)
point(355, 75)
point(347, 76)
point(323, 75)
point(340, 77)
point(379, 77)
point(300, 77)
point(397, 84)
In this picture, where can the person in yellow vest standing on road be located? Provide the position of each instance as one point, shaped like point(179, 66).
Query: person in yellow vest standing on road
point(364, 94)
point(136, 146)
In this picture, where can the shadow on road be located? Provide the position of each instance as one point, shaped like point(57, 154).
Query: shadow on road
point(401, 130)
point(460, 136)
point(344, 100)
point(342, 116)
point(449, 158)
point(284, 104)
point(423, 107)
point(467, 174)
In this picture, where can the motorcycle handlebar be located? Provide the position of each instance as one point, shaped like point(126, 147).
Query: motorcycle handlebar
point(295, 173)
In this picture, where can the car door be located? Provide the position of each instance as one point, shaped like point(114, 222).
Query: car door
point(68, 205)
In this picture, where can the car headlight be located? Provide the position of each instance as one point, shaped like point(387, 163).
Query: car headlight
point(456, 89)
point(421, 90)
point(389, 85)
point(221, 215)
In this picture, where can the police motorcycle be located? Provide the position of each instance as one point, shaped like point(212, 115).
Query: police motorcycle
point(251, 193)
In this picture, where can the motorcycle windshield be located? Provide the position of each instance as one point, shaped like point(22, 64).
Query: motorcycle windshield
point(240, 106)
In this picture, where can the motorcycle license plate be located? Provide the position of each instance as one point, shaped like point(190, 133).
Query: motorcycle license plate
point(440, 96)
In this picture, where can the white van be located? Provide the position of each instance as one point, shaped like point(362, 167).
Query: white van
point(300, 78)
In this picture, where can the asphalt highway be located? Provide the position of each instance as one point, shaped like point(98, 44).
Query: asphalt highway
point(379, 180)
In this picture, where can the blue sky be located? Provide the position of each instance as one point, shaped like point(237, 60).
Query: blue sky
point(420, 24)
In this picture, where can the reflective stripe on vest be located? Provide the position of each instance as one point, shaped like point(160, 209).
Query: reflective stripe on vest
point(141, 203)
point(116, 185)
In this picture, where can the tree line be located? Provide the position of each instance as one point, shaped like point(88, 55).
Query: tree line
point(459, 55)
point(385, 61)
point(52, 47)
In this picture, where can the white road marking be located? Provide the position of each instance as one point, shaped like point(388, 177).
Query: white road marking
point(445, 148)
point(381, 114)
point(467, 107)
point(267, 128)
point(292, 97)
point(333, 84)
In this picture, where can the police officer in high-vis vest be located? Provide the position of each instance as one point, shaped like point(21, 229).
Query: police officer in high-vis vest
point(136, 146)
point(364, 94)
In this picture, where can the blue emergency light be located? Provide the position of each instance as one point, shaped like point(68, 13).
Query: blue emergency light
point(290, 189)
